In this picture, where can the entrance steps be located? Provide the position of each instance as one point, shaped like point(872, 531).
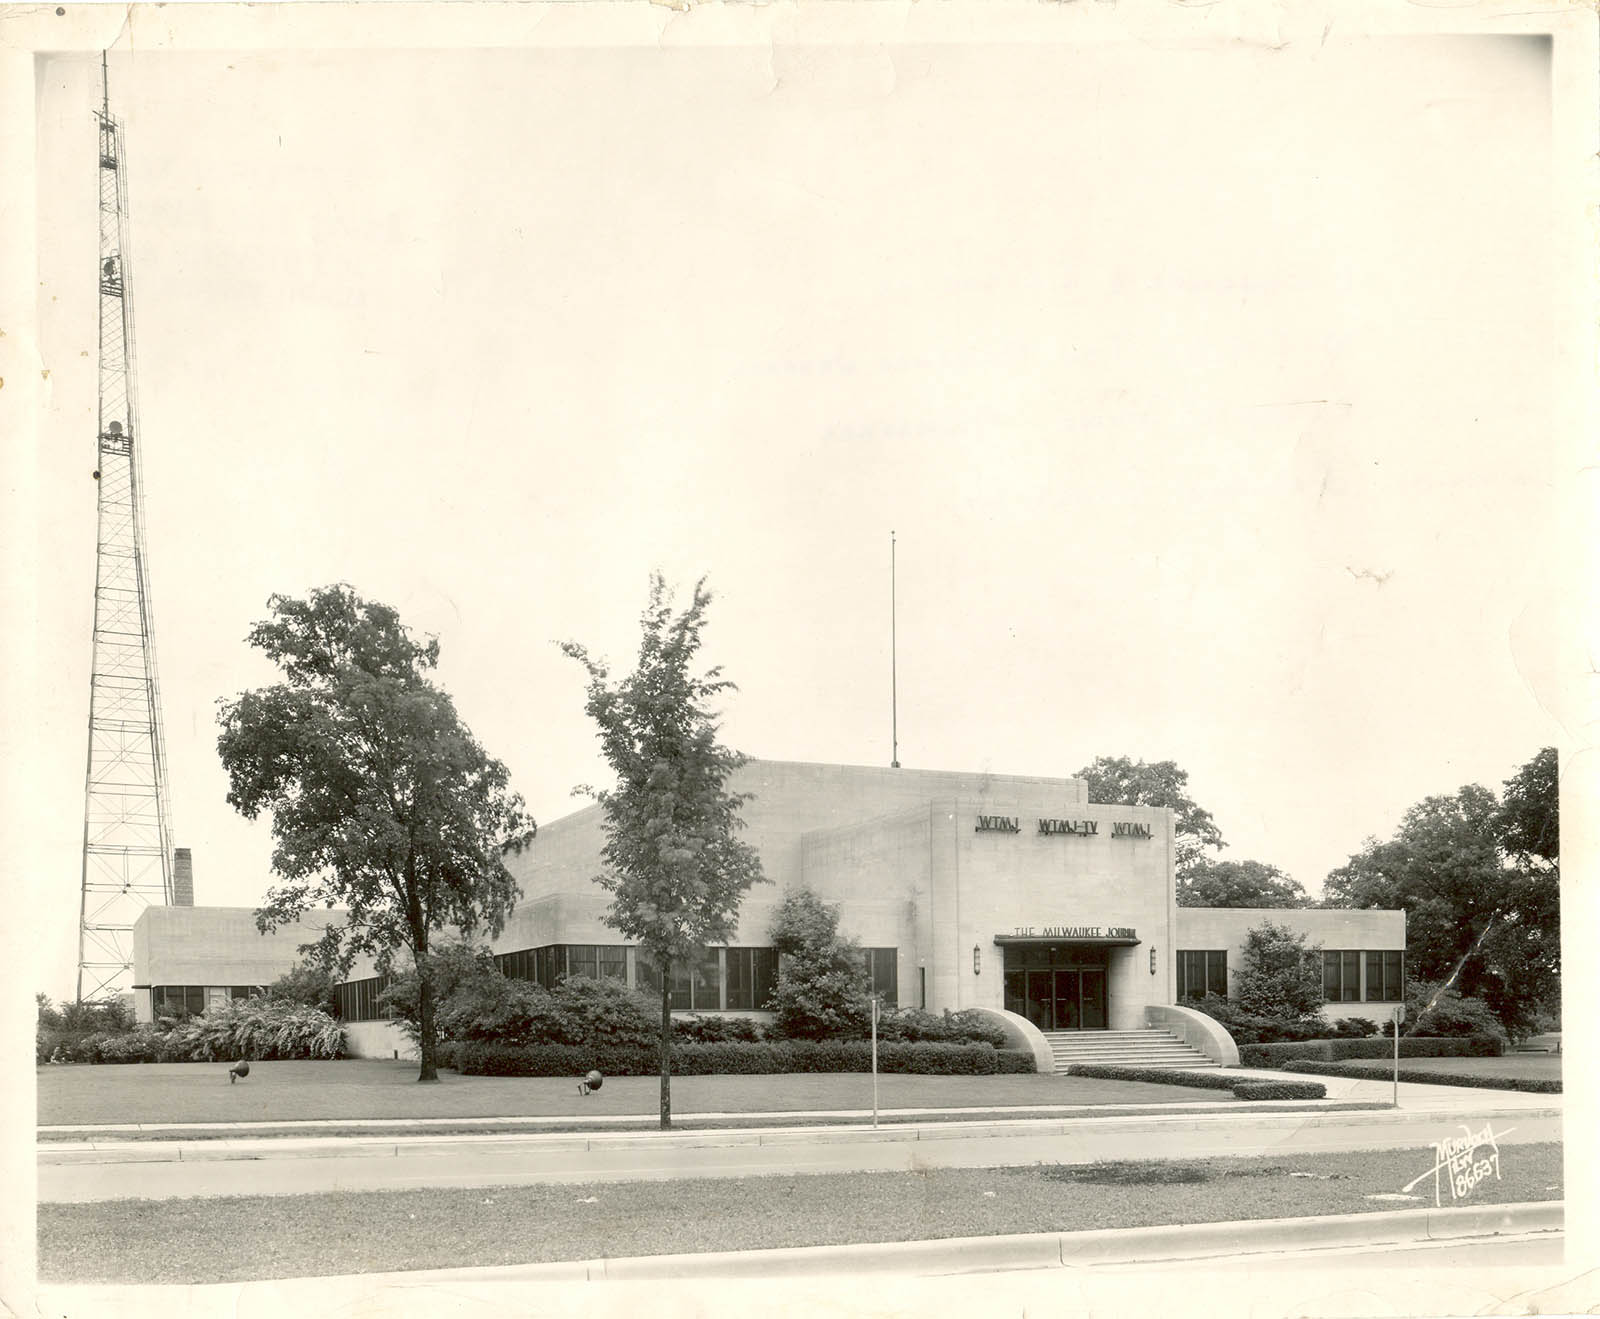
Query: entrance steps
point(1149, 1047)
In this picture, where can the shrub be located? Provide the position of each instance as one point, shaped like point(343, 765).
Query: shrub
point(913, 1025)
point(256, 1028)
point(1275, 1055)
point(466, 983)
point(1279, 1090)
point(1282, 975)
point(1450, 1014)
point(716, 1030)
point(1157, 1075)
point(1355, 1028)
point(1200, 1080)
point(1411, 1046)
point(307, 985)
point(1248, 1028)
point(822, 982)
point(1372, 1071)
point(691, 1058)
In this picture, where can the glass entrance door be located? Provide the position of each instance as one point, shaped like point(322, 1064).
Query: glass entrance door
point(1053, 996)
point(1092, 1000)
point(1068, 1013)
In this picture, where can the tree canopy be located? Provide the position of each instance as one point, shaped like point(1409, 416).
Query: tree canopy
point(1119, 780)
point(382, 801)
point(1208, 883)
point(676, 870)
point(1479, 879)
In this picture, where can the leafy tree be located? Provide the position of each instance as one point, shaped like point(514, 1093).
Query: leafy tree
point(1238, 884)
point(308, 984)
point(1479, 880)
point(382, 801)
point(1529, 821)
point(465, 979)
point(1117, 780)
point(1282, 975)
point(822, 980)
point(676, 871)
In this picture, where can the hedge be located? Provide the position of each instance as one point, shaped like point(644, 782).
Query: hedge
point(1203, 1080)
point(1365, 1071)
point(1279, 1090)
point(733, 1058)
point(1411, 1046)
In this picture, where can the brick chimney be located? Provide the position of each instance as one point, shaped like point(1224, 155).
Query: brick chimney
point(182, 878)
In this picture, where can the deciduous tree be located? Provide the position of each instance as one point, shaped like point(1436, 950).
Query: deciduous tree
point(382, 801)
point(676, 870)
point(1479, 880)
point(1118, 780)
point(1209, 883)
point(1282, 974)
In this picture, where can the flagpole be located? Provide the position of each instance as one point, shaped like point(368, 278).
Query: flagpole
point(894, 677)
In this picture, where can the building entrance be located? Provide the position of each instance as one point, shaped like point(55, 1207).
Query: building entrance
point(1056, 987)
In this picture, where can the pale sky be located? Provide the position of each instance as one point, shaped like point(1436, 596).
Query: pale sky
point(1208, 391)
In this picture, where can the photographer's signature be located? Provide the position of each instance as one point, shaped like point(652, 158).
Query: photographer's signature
point(1464, 1161)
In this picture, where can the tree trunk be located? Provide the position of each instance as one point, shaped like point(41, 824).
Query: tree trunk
point(425, 1028)
point(666, 1043)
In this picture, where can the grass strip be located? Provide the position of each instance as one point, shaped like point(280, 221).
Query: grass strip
point(258, 1237)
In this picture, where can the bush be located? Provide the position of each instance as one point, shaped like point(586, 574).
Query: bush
point(913, 1025)
point(1282, 975)
point(1451, 1014)
point(715, 1030)
point(1199, 1080)
point(731, 1058)
point(309, 985)
point(1275, 1055)
point(1355, 1028)
point(1411, 1046)
point(65, 1033)
point(822, 981)
point(1156, 1075)
point(256, 1028)
point(1247, 1028)
point(1368, 1071)
point(1279, 1090)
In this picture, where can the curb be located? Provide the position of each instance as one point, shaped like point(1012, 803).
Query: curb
point(395, 1146)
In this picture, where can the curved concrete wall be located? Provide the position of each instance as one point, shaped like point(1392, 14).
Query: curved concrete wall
point(1198, 1031)
point(1023, 1034)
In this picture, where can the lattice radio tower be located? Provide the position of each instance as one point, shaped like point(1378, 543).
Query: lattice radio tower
point(127, 819)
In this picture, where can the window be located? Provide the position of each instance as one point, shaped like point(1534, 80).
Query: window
point(883, 974)
point(236, 992)
point(1341, 976)
point(1385, 978)
point(177, 1000)
point(1202, 972)
point(752, 976)
point(707, 968)
point(358, 999)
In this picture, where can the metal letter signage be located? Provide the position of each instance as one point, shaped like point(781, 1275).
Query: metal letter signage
point(998, 824)
point(1128, 829)
point(1082, 828)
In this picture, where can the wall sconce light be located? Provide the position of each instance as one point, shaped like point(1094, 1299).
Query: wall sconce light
point(977, 959)
point(1152, 961)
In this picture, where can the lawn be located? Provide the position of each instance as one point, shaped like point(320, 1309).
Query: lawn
point(1528, 1066)
point(355, 1089)
point(223, 1240)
